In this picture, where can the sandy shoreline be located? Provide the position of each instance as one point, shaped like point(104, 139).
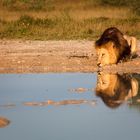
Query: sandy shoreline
point(18, 56)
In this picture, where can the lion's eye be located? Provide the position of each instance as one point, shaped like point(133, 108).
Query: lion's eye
point(103, 54)
point(103, 82)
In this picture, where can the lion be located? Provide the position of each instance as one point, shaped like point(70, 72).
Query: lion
point(113, 46)
point(114, 89)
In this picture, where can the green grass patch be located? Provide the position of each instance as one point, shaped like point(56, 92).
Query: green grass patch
point(67, 19)
point(64, 27)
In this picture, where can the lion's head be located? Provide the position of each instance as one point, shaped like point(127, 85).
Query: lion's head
point(106, 83)
point(114, 89)
point(115, 47)
point(106, 54)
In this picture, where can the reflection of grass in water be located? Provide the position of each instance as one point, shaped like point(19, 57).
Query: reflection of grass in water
point(49, 19)
point(64, 27)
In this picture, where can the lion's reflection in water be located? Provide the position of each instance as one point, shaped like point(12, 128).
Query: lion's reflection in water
point(114, 89)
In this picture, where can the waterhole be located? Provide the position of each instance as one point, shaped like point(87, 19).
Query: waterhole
point(69, 106)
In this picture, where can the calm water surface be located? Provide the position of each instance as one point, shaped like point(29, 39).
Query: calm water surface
point(78, 106)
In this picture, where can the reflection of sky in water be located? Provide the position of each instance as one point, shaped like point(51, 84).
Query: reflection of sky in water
point(76, 122)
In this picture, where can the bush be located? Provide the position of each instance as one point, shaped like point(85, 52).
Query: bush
point(114, 2)
point(26, 20)
point(132, 4)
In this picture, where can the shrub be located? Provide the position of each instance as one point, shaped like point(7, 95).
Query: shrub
point(134, 5)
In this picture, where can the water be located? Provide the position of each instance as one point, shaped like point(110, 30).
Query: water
point(72, 106)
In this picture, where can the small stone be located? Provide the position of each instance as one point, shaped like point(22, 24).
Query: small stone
point(3, 122)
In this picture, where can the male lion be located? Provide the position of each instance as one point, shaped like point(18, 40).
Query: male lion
point(113, 46)
point(114, 89)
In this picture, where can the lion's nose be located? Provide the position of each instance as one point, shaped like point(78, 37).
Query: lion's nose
point(99, 64)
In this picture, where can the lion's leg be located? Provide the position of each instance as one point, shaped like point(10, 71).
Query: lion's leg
point(133, 45)
point(132, 42)
point(134, 89)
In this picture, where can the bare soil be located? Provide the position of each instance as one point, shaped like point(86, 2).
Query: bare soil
point(19, 56)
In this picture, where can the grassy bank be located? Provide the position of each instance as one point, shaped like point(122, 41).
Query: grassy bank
point(58, 19)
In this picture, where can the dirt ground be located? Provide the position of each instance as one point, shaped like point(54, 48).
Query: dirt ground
point(18, 56)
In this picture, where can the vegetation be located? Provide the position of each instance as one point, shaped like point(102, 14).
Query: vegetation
point(74, 19)
point(134, 5)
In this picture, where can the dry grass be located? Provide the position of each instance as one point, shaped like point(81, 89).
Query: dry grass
point(75, 11)
point(59, 19)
